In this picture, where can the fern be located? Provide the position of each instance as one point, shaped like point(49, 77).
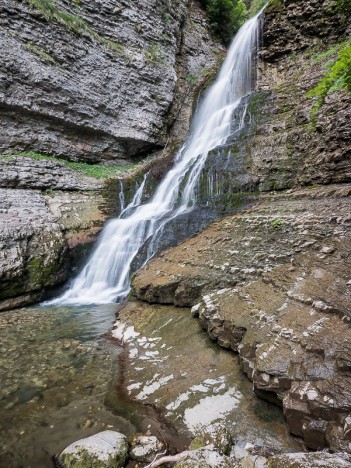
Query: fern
point(337, 77)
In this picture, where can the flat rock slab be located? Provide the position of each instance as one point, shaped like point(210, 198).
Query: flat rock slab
point(170, 363)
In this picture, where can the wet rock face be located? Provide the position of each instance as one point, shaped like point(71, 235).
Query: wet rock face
point(96, 81)
point(33, 252)
point(281, 145)
point(286, 148)
point(38, 228)
point(275, 286)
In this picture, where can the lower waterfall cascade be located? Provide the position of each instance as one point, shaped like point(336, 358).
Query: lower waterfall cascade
point(106, 276)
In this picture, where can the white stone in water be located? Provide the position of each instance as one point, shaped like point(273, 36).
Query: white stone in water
point(107, 449)
point(145, 448)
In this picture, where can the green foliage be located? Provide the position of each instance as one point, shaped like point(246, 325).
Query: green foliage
point(73, 22)
point(226, 16)
point(40, 52)
point(277, 223)
point(96, 171)
point(321, 57)
point(337, 77)
point(343, 6)
point(191, 79)
point(255, 7)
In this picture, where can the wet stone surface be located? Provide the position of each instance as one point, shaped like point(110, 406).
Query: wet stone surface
point(61, 381)
point(171, 363)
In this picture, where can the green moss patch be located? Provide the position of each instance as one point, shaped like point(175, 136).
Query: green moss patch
point(73, 22)
point(40, 53)
point(97, 171)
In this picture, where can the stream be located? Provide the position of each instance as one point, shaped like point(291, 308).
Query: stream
point(63, 380)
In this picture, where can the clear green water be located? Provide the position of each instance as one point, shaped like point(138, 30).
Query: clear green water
point(56, 372)
point(63, 378)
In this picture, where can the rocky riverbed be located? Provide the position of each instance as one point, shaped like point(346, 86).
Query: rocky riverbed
point(64, 383)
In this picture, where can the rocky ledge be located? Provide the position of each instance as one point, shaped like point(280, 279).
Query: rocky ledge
point(49, 214)
point(273, 283)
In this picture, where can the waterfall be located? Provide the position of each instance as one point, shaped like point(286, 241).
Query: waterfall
point(106, 276)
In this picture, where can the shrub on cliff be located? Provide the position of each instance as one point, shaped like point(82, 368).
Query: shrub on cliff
point(337, 77)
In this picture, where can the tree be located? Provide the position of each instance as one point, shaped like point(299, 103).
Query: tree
point(225, 16)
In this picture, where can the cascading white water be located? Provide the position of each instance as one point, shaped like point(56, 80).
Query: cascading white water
point(105, 278)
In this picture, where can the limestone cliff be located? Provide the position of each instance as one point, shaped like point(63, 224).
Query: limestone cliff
point(272, 282)
point(93, 82)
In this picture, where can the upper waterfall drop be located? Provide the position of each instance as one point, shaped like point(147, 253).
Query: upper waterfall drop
point(106, 276)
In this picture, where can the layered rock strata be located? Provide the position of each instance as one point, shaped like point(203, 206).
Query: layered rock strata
point(51, 212)
point(96, 81)
point(273, 284)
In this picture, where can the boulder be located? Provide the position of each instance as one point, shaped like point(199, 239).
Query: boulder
point(145, 448)
point(107, 449)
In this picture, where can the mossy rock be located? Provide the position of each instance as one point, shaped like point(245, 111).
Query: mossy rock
point(216, 435)
point(274, 6)
point(107, 449)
